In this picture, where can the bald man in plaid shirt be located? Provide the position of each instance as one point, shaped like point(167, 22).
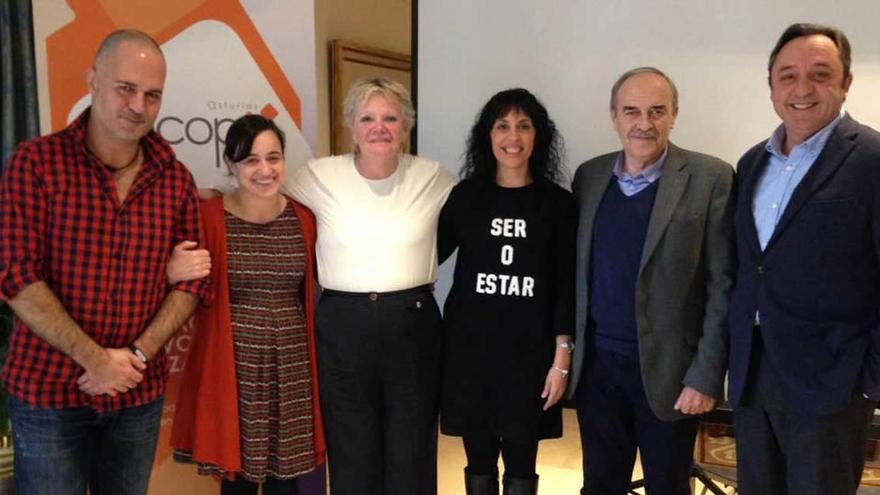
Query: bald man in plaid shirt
point(88, 218)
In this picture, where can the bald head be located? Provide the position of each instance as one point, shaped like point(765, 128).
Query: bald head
point(126, 85)
point(116, 38)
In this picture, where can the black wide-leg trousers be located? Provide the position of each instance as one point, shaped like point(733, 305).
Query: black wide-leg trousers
point(379, 376)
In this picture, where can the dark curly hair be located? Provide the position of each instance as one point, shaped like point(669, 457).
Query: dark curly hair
point(547, 155)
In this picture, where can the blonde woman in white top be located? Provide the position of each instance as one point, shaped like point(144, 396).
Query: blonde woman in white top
point(378, 325)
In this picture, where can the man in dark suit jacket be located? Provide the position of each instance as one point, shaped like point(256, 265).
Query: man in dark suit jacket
point(654, 274)
point(804, 335)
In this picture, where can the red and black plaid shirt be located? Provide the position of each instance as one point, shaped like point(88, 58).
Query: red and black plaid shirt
point(61, 223)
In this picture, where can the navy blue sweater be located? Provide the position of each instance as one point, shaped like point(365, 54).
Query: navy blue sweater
point(618, 238)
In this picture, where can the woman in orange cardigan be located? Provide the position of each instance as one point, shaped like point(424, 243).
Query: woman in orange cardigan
point(248, 407)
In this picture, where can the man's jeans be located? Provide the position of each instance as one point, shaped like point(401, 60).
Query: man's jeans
point(62, 451)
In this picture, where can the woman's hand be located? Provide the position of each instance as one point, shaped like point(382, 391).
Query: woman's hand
point(188, 263)
point(554, 386)
point(557, 377)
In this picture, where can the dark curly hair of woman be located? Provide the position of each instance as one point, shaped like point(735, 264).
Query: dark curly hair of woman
point(547, 155)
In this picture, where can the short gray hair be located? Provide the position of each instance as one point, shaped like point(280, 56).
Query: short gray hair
point(642, 70)
point(364, 89)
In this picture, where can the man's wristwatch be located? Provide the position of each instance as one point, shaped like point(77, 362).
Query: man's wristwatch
point(137, 352)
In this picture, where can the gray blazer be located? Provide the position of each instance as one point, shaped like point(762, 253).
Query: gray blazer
point(685, 276)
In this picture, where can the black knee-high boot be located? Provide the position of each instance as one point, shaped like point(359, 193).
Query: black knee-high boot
point(521, 486)
point(480, 484)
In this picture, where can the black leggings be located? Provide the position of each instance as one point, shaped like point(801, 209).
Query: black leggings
point(482, 456)
point(272, 486)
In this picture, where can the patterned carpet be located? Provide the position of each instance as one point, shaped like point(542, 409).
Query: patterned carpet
point(716, 448)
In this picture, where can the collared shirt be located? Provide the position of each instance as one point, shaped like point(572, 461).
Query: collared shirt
point(630, 185)
point(782, 175)
point(61, 223)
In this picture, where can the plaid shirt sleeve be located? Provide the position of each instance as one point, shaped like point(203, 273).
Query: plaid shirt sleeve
point(189, 229)
point(23, 206)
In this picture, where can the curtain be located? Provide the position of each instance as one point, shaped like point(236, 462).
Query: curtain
point(18, 78)
point(19, 114)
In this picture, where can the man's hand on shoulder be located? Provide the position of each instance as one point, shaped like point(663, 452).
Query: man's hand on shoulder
point(207, 193)
point(116, 371)
point(691, 401)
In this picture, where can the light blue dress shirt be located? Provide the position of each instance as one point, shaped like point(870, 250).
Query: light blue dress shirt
point(780, 178)
point(782, 175)
point(630, 185)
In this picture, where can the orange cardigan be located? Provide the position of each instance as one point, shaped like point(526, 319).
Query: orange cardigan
point(206, 417)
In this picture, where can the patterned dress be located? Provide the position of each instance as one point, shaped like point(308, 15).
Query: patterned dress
point(266, 265)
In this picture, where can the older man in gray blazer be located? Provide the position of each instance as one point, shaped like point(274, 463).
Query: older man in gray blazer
point(654, 273)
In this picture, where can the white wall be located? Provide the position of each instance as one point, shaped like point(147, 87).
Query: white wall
point(570, 52)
